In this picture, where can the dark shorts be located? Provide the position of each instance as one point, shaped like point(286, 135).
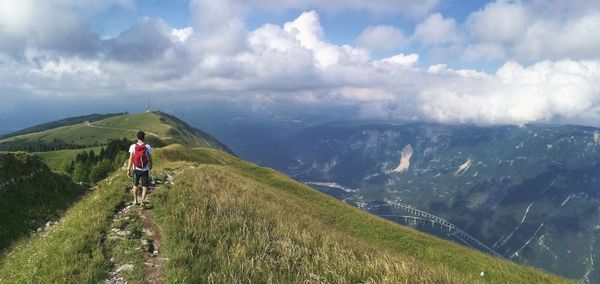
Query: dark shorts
point(140, 175)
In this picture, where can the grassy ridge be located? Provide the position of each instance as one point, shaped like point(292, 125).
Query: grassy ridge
point(244, 223)
point(161, 129)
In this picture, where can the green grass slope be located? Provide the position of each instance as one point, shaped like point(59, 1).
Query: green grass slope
point(59, 160)
point(30, 195)
point(162, 129)
point(58, 123)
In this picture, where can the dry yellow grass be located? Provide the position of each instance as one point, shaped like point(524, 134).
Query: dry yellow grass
point(224, 228)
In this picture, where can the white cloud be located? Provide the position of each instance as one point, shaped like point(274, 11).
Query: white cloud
point(74, 66)
point(547, 38)
point(381, 38)
point(483, 51)
point(271, 38)
point(436, 30)
point(308, 32)
point(60, 26)
point(368, 95)
point(211, 16)
point(544, 91)
point(15, 17)
point(399, 60)
point(534, 30)
point(181, 35)
point(498, 22)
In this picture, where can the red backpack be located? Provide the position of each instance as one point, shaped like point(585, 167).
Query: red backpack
point(140, 157)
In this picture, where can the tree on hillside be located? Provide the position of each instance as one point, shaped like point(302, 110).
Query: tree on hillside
point(89, 167)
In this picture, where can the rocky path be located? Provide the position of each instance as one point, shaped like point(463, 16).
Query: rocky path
point(134, 243)
point(154, 263)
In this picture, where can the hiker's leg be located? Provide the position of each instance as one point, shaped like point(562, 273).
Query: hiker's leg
point(136, 180)
point(144, 180)
point(134, 193)
point(144, 191)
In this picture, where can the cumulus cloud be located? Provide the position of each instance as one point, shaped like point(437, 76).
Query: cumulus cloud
point(398, 60)
point(498, 22)
point(505, 30)
point(59, 26)
point(211, 16)
point(181, 35)
point(437, 30)
point(534, 30)
point(143, 42)
point(381, 38)
point(515, 94)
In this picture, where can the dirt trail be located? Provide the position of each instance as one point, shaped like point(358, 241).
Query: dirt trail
point(91, 124)
point(154, 263)
point(135, 246)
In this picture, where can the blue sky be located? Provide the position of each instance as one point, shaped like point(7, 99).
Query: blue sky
point(482, 62)
point(341, 27)
point(115, 19)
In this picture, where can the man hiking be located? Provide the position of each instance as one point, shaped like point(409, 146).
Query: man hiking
point(141, 158)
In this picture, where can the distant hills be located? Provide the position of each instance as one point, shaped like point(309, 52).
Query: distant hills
point(59, 123)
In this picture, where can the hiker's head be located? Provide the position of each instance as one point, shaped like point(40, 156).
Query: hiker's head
point(141, 135)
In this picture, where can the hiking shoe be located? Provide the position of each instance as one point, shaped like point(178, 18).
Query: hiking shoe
point(146, 204)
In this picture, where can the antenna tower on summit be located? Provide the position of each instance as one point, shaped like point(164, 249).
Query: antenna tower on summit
point(148, 106)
